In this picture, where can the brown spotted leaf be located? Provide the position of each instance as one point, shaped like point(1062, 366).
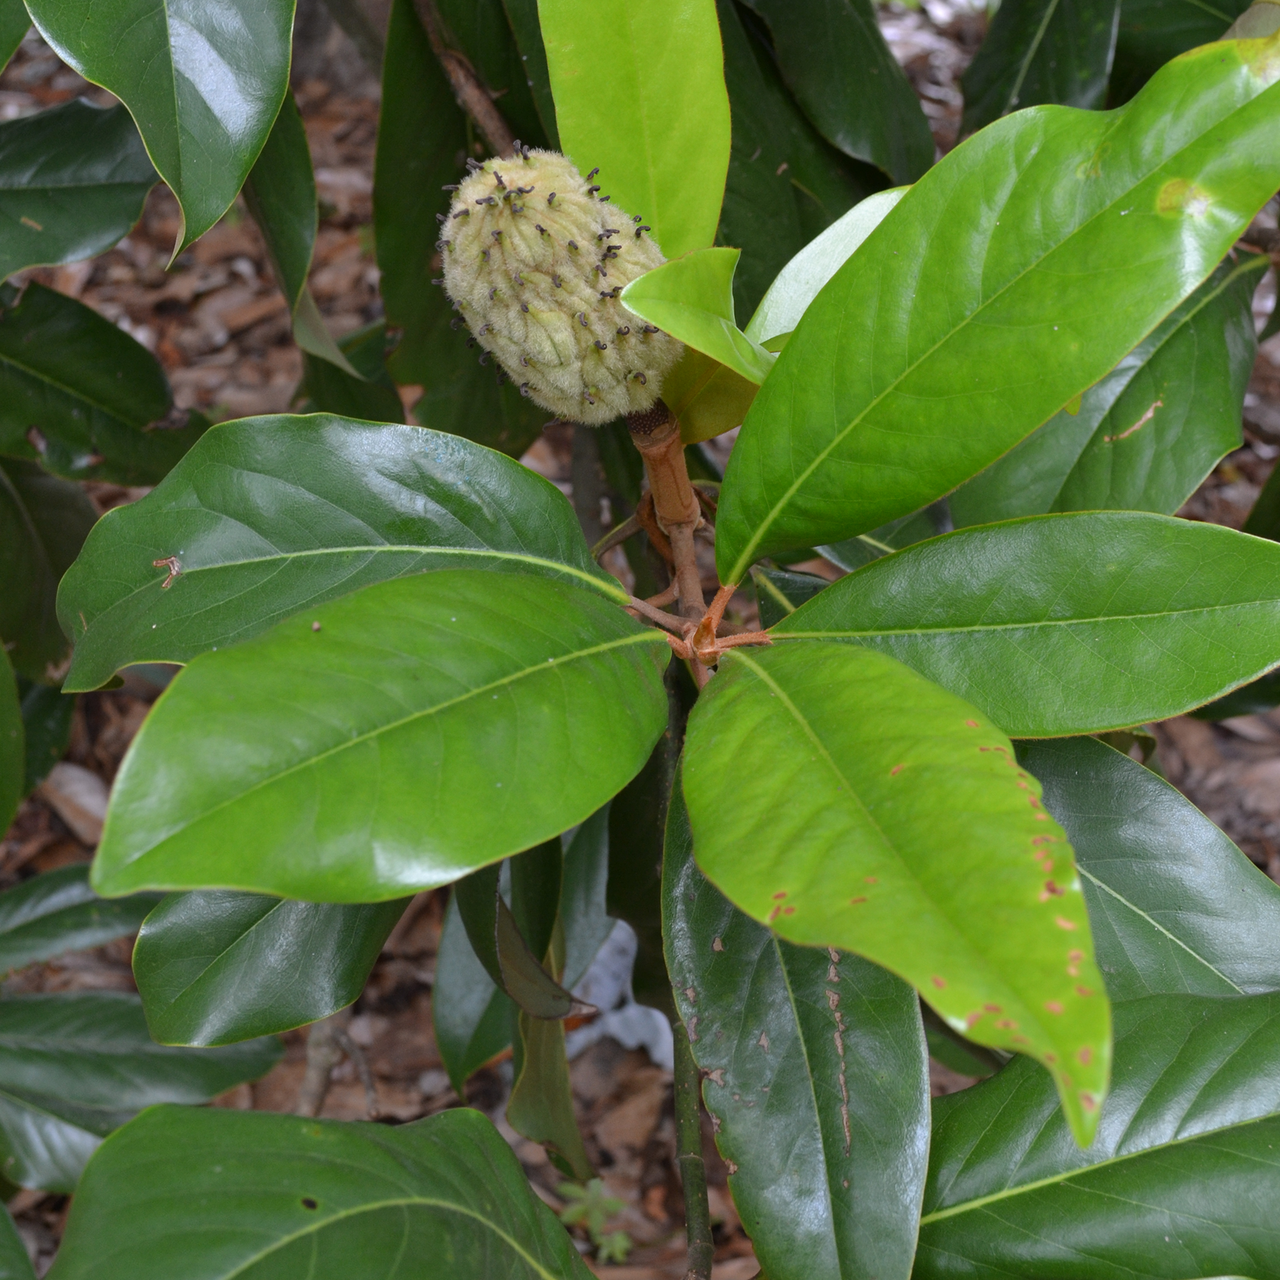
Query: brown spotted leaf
point(889, 818)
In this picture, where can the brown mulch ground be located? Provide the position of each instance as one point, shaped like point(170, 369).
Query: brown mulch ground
point(220, 327)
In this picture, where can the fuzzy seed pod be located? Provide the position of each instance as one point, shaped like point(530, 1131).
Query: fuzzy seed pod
point(535, 261)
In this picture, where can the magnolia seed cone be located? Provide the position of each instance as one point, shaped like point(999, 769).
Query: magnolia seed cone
point(534, 260)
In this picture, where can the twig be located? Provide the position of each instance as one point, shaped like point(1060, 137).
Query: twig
point(324, 1052)
point(615, 536)
point(467, 87)
point(693, 1172)
point(667, 621)
point(361, 1063)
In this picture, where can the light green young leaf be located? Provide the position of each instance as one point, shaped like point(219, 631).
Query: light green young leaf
point(640, 94)
point(692, 299)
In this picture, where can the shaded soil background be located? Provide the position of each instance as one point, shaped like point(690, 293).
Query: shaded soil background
point(221, 329)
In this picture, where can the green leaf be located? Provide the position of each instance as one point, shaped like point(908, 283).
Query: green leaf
point(583, 890)
point(472, 1017)
point(1070, 624)
point(540, 1107)
point(692, 299)
point(294, 763)
point(204, 85)
point(640, 95)
point(217, 968)
point(938, 370)
point(329, 389)
point(14, 1262)
point(72, 182)
point(270, 516)
point(15, 22)
point(43, 524)
point(12, 743)
point(1175, 906)
point(1040, 51)
point(1152, 32)
point(814, 1069)
point(1146, 435)
point(786, 183)
point(873, 115)
point(857, 763)
point(804, 276)
point(897, 535)
point(57, 912)
point(75, 1067)
point(1180, 1181)
point(423, 139)
point(1264, 520)
point(46, 718)
point(523, 17)
point(780, 592)
point(707, 397)
point(328, 1199)
point(81, 396)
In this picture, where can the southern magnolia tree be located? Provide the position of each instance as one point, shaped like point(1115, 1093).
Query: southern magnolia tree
point(982, 392)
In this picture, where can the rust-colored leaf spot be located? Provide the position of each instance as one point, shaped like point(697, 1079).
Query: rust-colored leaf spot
point(1053, 1006)
point(1085, 1055)
point(993, 1008)
point(773, 915)
point(973, 724)
point(315, 626)
point(1063, 923)
point(897, 768)
point(788, 911)
point(733, 1168)
point(938, 982)
point(716, 1076)
point(1088, 1102)
point(1007, 1024)
point(778, 896)
point(1084, 991)
point(1051, 890)
point(717, 945)
point(1075, 955)
point(1051, 1057)
point(1041, 817)
point(973, 1019)
point(853, 902)
point(873, 879)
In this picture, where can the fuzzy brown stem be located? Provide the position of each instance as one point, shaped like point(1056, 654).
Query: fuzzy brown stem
point(467, 86)
point(693, 1170)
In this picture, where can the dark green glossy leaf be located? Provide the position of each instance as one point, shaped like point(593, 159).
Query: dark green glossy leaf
point(81, 396)
point(939, 371)
point(814, 1069)
point(269, 516)
point(786, 182)
point(640, 94)
point(14, 1262)
point(471, 1015)
point(46, 718)
point(780, 592)
point(43, 524)
point(422, 141)
point(1070, 624)
point(897, 535)
point(1146, 435)
point(218, 967)
point(1175, 906)
point(523, 17)
point(583, 890)
point(14, 24)
point(857, 764)
point(12, 744)
point(294, 763)
point(480, 29)
point(692, 299)
point(329, 1199)
point(1040, 51)
point(57, 912)
point(1182, 1178)
point(954, 1053)
point(1264, 520)
point(204, 84)
point(541, 1103)
point(75, 1067)
point(72, 182)
point(873, 115)
point(1154, 31)
point(330, 389)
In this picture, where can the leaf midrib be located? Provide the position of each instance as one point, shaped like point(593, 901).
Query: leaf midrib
point(745, 557)
point(554, 663)
point(1057, 1178)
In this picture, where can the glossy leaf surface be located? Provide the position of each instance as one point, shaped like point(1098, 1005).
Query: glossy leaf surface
point(216, 967)
point(12, 745)
point(814, 1067)
point(269, 516)
point(203, 82)
point(1039, 51)
point(1154, 31)
point(523, 17)
point(72, 182)
point(907, 374)
point(873, 115)
point(786, 182)
point(421, 136)
point(57, 912)
point(331, 1200)
point(1180, 1181)
point(524, 702)
point(43, 524)
point(802, 279)
point(46, 718)
point(1067, 624)
point(1146, 435)
point(692, 299)
point(640, 95)
point(75, 1067)
point(857, 763)
point(1175, 906)
point(89, 391)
